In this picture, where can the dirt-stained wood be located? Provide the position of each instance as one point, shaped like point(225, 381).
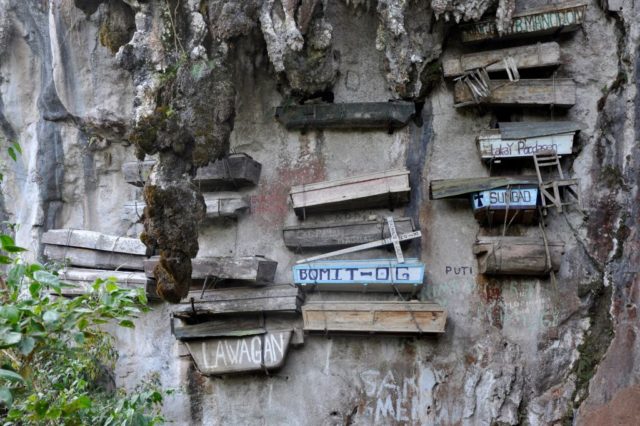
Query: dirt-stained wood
point(83, 279)
point(526, 57)
point(517, 255)
point(461, 188)
point(217, 206)
point(222, 325)
point(559, 92)
point(96, 259)
point(411, 317)
point(256, 269)
point(94, 240)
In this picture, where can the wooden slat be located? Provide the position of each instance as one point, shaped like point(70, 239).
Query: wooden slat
point(516, 255)
point(559, 92)
point(214, 356)
point(374, 317)
point(94, 240)
point(93, 258)
point(526, 57)
point(385, 115)
point(532, 129)
point(335, 235)
point(461, 188)
point(225, 302)
point(83, 279)
point(217, 206)
point(223, 325)
point(532, 22)
point(242, 293)
point(256, 269)
point(371, 190)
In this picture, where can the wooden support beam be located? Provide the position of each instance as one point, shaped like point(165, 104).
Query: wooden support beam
point(336, 235)
point(374, 317)
point(532, 22)
point(383, 115)
point(217, 206)
point(94, 241)
point(379, 189)
point(256, 269)
point(539, 55)
point(517, 255)
point(559, 92)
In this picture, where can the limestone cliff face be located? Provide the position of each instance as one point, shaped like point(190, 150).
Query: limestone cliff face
point(86, 85)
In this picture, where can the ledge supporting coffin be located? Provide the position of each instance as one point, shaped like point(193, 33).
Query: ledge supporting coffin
point(517, 255)
point(381, 189)
point(384, 115)
point(559, 92)
point(410, 317)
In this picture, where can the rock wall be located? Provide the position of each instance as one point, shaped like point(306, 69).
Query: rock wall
point(83, 83)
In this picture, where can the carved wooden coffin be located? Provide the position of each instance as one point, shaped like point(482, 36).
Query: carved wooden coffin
point(223, 355)
point(379, 189)
point(524, 139)
point(385, 115)
point(533, 22)
point(517, 255)
point(360, 275)
point(539, 55)
point(233, 171)
point(270, 298)
point(336, 235)
point(517, 203)
point(255, 269)
point(217, 206)
point(410, 317)
point(559, 92)
point(91, 249)
point(83, 279)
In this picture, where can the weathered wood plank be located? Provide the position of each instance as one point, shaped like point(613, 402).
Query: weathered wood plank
point(374, 317)
point(461, 188)
point(217, 206)
point(94, 258)
point(94, 240)
point(559, 92)
point(516, 203)
point(532, 22)
point(219, 326)
point(335, 235)
point(83, 279)
point(360, 275)
point(262, 352)
point(517, 255)
point(530, 129)
point(257, 269)
point(379, 189)
point(534, 56)
point(384, 115)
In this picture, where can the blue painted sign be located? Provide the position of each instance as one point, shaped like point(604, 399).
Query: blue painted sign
point(516, 197)
point(364, 272)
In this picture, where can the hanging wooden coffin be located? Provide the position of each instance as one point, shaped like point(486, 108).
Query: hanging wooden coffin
point(384, 115)
point(83, 279)
point(361, 275)
point(559, 92)
point(271, 298)
point(381, 189)
point(515, 204)
point(336, 235)
point(539, 55)
point(374, 317)
point(461, 188)
point(257, 270)
point(217, 206)
point(525, 139)
point(91, 249)
point(517, 255)
point(223, 355)
point(533, 22)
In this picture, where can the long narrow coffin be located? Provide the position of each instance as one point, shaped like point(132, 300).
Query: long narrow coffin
point(91, 249)
point(541, 55)
point(337, 235)
point(233, 354)
point(514, 204)
point(245, 324)
point(384, 115)
point(533, 22)
point(82, 280)
point(374, 317)
point(517, 255)
point(462, 188)
point(254, 269)
point(271, 298)
point(559, 92)
point(217, 206)
point(360, 275)
point(525, 139)
point(233, 171)
point(381, 189)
